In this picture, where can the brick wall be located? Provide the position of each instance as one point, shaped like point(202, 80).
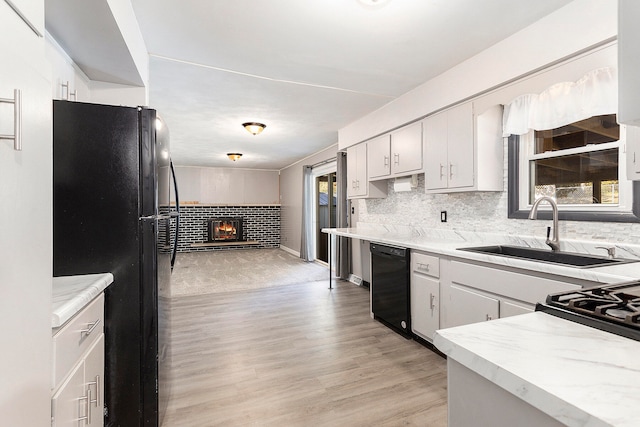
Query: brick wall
point(261, 224)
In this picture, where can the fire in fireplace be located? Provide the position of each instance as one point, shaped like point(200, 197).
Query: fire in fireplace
point(225, 230)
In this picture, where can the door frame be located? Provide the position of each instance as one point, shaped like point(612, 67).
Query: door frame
point(324, 169)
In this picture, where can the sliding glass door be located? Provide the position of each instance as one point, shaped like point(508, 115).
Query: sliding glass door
point(326, 190)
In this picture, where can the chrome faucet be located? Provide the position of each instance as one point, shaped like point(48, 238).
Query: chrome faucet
point(611, 251)
point(554, 243)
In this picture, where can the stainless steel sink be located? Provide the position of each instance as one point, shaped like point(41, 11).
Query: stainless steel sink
point(542, 255)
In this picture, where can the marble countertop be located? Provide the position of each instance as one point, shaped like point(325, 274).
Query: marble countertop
point(578, 375)
point(447, 243)
point(72, 293)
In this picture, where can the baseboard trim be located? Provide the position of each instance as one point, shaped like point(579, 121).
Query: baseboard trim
point(291, 251)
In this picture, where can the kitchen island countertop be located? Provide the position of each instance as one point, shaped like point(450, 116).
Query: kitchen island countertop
point(576, 374)
point(72, 293)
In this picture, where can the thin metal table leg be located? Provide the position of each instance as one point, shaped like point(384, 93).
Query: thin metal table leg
point(330, 278)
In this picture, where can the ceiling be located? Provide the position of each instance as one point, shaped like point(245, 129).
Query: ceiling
point(303, 68)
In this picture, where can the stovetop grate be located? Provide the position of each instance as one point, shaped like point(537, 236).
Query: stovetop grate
point(612, 308)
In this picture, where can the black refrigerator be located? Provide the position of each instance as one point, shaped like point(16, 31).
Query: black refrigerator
point(112, 213)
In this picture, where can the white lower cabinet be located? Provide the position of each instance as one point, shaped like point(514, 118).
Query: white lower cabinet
point(508, 309)
point(471, 307)
point(79, 400)
point(425, 295)
point(476, 293)
point(425, 306)
point(78, 369)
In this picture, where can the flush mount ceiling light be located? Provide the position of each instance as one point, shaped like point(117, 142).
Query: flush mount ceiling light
point(234, 156)
point(254, 127)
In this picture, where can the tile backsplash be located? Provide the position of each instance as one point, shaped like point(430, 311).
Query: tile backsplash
point(479, 213)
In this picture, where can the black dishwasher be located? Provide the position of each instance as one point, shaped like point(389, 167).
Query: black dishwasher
point(390, 287)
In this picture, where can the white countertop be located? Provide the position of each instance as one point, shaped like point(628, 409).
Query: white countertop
point(72, 293)
point(578, 375)
point(446, 243)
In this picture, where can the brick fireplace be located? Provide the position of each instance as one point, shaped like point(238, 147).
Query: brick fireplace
point(260, 227)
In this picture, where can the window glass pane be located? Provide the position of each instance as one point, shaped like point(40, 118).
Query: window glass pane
point(594, 130)
point(585, 178)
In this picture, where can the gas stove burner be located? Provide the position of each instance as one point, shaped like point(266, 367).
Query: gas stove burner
point(617, 313)
point(613, 308)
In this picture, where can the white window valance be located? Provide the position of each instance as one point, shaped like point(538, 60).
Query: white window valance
point(594, 94)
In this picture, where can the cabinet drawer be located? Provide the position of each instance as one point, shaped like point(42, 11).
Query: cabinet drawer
point(72, 340)
point(425, 264)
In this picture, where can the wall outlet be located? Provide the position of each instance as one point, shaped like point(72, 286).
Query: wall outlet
point(443, 216)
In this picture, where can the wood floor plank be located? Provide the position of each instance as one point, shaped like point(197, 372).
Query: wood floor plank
point(297, 355)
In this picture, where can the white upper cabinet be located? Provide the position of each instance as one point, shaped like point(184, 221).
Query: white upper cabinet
point(67, 81)
point(628, 62)
point(358, 184)
point(32, 14)
point(406, 150)
point(396, 154)
point(463, 151)
point(632, 141)
point(25, 221)
point(435, 151)
point(379, 157)
point(357, 171)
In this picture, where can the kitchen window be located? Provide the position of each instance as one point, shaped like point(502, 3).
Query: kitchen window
point(556, 149)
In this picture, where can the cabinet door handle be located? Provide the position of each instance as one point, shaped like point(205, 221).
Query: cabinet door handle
point(441, 171)
point(450, 170)
point(431, 298)
point(424, 267)
point(386, 160)
point(97, 384)
point(87, 406)
point(65, 89)
point(396, 158)
point(17, 119)
point(90, 328)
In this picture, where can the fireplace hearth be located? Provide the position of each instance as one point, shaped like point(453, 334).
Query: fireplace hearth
point(227, 229)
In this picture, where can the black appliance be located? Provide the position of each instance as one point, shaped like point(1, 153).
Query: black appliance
point(111, 213)
point(390, 287)
point(611, 308)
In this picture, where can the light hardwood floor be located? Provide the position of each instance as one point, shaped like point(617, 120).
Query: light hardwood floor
point(297, 355)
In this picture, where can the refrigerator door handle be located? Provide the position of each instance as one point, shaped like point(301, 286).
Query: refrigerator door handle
point(175, 215)
point(154, 217)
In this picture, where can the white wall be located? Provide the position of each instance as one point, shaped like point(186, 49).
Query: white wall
point(573, 28)
point(291, 198)
point(227, 186)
